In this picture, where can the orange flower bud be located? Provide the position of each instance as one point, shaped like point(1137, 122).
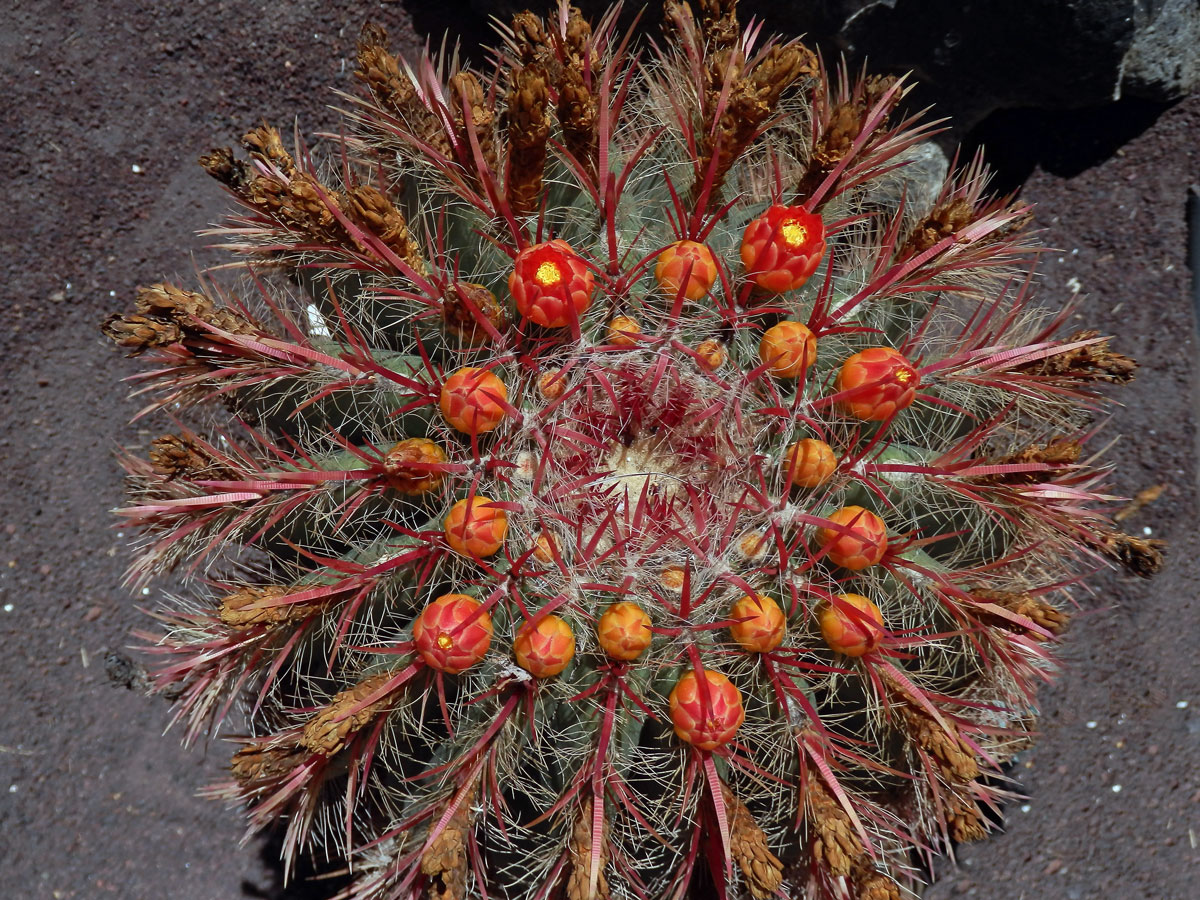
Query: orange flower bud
point(706, 722)
point(552, 384)
point(621, 331)
point(851, 624)
point(624, 631)
point(475, 528)
point(712, 354)
point(451, 634)
point(686, 260)
point(672, 578)
point(543, 548)
point(783, 247)
point(809, 463)
point(860, 542)
point(758, 624)
point(544, 649)
point(404, 466)
point(787, 349)
point(551, 284)
point(880, 382)
point(470, 400)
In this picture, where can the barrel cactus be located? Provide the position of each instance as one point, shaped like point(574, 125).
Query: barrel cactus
point(619, 472)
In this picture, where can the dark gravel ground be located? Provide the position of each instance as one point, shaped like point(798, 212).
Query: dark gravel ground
point(106, 108)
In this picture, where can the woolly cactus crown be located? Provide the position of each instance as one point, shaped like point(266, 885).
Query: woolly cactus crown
point(634, 475)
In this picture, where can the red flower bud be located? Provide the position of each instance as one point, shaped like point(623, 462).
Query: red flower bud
point(686, 260)
point(878, 382)
point(545, 649)
point(851, 624)
point(706, 722)
point(551, 284)
point(470, 400)
point(474, 528)
point(451, 634)
point(783, 247)
point(861, 540)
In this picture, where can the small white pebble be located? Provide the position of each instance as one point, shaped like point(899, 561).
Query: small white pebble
point(145, 592)
point(1026, 808)
point(1116, 788)
point(1179, 704)
point(8, 607)
point(112, 293)
point(12, 788)
point(1146, 530)
point(1091, 724)
point(136, 169)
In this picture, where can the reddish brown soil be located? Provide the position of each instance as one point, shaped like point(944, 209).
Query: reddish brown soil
point(94, 803)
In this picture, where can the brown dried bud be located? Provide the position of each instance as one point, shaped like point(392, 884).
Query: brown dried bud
point(327, 732)
point(233, 173)
point(1095, 362)
point(371, 210)
point(407, 478)
point(178, 456)
point(953, 755)
point(467, 93)
point(579, 882)
point(528, 132)
point(943, 222)
point(445, 861)
point(964, 819)
point(1140, 556)
point(748, 843)
point(874, 885)
point(234, 609)
point(380, 71)
point(465, 305)
point(260, 763)
point(265, 145)
point(529, 38)
point(140, 333)
point(832, 841)
point(1024, 604)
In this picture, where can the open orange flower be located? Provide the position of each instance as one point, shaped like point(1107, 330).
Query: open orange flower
point(686, 265)
point(878, 382)
point(851, 624)
point(708, 718)
point(551, 284)
point(451, 634)
point(470, 400)
point(475, 528)
point(543, 650)
point(783, 247)
point(861, 540)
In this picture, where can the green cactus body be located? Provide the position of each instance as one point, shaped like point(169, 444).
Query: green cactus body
point(546, 341)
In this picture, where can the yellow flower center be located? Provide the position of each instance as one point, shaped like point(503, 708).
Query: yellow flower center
point(904, 375)
point(548, 273)
point(444, 641)
point(794, 234)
